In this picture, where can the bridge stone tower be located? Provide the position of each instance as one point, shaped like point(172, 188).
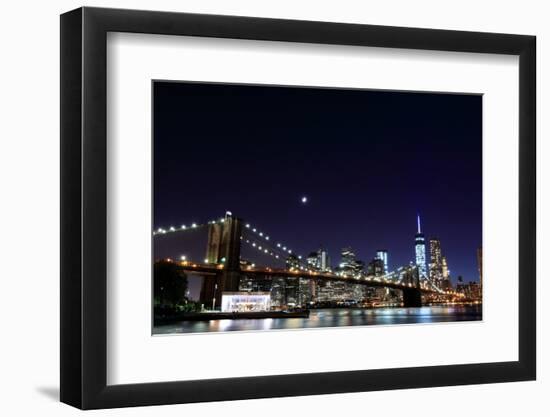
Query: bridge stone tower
point(412, 297)
point(223, 247)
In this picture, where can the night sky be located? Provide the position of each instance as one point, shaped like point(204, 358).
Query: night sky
point(368, 162)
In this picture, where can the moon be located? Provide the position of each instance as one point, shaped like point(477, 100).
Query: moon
point(303, 200)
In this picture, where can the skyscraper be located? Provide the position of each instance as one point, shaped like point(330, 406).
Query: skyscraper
point(382, 254)
point(319, 260)
point(349, 264)
point(420, 251)
point(436, 263)
point(313, 260)
point(445, 273)
point(347, 259)
point(445, 282)
point(375, 267)
point(323, 259)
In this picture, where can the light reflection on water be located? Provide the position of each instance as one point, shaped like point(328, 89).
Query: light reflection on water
point(332, 318)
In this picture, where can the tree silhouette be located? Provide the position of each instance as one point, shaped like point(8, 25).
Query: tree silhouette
point(169, 284)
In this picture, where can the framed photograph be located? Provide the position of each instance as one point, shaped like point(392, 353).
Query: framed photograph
point(258, 208)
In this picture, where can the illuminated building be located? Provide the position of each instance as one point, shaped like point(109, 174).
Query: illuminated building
point(245, 301)
point(357, 293)
point(319, 260)
point(420, 252)
point(445, 273)
point(278, 293)
point(306, 291)
point(313, 260)
point(474, 291)
point(436, 261)
point(445, 283)
point(322, 291)
point(349, 264)
point(347, 259)
point(323, 260)
point(342, 291)
point(288, 292)
point(480, 266)
point(292, 262)
point(330, 291)
point(250, 283)
point(382, 254)
point(375, 267)
point(471, 290)
point(292, 292)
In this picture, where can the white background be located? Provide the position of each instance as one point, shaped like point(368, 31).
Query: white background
point(134, 60)
point(29, 177)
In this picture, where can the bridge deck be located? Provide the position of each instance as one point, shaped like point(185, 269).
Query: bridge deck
point(210, 269)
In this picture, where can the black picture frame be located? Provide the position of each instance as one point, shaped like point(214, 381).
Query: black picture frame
point(84, 207)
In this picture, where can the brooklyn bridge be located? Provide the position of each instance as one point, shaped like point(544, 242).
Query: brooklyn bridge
point(223, 270)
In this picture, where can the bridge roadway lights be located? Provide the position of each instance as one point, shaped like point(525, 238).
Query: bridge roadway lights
point(412, 297)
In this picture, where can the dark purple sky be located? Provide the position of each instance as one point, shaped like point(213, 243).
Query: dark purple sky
point(368, 162)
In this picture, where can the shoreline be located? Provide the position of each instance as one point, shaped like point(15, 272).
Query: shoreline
point(159, 320)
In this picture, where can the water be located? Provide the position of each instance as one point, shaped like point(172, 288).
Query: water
point(333, 318)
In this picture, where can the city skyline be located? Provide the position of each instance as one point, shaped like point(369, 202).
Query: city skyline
point(433, 266)
point(308, 170)
point(420, 259)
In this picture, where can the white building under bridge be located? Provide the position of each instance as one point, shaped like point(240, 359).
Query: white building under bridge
point(245, 301)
